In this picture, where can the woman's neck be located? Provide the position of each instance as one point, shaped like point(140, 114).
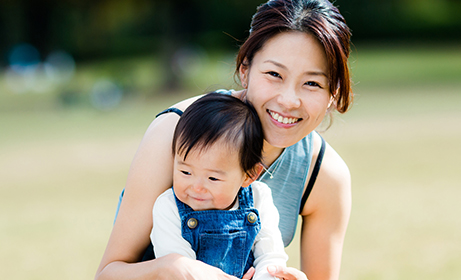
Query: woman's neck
point(270, 153)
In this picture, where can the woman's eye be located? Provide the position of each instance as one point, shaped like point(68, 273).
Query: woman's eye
point(213, 179)
point(274, 74)
point(185, 172)
point(313, 84)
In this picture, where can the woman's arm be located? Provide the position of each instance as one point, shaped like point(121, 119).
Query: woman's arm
point(170, 267)
point(150, 174)
point(325, 218)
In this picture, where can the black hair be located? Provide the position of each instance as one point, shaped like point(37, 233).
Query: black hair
point(217, 116)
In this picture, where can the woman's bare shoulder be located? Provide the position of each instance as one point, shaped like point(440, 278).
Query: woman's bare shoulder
point(333, 183)
point(183, 104)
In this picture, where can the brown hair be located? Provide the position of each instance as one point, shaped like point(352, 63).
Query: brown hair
point(316, 17)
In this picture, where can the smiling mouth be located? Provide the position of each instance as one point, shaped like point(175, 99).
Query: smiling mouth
point(200, 199)
point(282, 119)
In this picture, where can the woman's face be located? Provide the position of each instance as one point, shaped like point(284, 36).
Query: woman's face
point(288, 85)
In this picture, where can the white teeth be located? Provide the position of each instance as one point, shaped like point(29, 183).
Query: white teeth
point(283, 120)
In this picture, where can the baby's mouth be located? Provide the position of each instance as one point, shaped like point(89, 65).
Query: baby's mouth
point(282, 119)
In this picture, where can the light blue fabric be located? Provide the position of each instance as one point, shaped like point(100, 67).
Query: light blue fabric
point(118, 205)
point(223, 238)
point(289, 173)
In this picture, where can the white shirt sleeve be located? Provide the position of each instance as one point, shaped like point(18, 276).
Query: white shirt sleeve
point(166, 232)
point(268, 248)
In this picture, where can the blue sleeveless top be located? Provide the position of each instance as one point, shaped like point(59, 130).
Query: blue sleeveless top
point(289, 175)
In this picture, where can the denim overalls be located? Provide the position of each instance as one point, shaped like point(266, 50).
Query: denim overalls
point(223, 238)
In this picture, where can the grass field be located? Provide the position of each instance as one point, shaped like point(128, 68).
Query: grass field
point(62, 169)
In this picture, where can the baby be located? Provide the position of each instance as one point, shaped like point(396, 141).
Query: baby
point(216, 212)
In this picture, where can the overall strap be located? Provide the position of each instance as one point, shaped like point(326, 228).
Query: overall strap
point(314, 174)
point(183, 209)
point(245, 197)
point(170, 110)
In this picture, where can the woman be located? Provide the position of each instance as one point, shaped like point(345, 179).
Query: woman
point(293, 69)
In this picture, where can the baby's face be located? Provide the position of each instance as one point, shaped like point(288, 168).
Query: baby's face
point(210, 178)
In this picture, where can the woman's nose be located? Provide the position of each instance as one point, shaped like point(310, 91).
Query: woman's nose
point(289, 99)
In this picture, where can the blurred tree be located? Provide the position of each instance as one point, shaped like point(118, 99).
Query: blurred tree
point(402, 19)
point(195, 22)
point(105, 28)
point(118, 27)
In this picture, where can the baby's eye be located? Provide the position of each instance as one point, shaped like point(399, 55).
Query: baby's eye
point(213, 179)
point(274, 74)
point(185, 172)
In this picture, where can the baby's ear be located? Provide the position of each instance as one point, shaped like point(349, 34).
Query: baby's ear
point(255, 174)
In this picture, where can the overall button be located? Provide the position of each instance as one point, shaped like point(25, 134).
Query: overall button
point(252, 218)
point(192, 223)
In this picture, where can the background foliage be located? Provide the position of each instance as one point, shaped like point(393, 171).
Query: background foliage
point(89, 29)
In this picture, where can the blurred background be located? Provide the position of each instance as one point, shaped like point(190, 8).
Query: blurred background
point(80, 81)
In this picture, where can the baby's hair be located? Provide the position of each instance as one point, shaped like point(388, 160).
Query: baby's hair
point(217, 116)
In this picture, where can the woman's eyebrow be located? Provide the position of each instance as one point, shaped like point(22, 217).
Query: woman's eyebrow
point(316, 73)
point(276, 63)
point(311, 73)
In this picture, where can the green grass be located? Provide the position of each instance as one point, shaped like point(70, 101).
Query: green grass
point(62, 169)
point(406, 183)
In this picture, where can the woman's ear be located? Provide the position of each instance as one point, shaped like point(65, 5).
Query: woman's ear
point(256, 172)
point(332, 101)
point(243, 73)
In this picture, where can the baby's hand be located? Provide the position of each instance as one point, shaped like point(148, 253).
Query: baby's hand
point(286, 273)
point(249, 273)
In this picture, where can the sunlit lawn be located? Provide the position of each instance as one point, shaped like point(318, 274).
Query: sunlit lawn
point(62, 169)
